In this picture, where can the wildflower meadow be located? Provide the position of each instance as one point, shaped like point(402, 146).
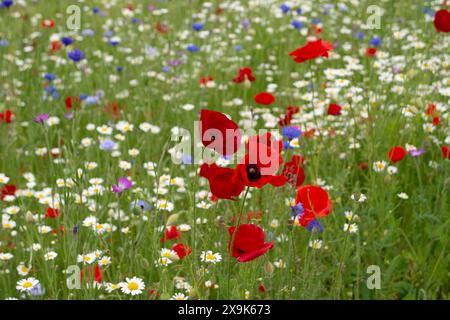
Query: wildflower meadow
point(215, 150)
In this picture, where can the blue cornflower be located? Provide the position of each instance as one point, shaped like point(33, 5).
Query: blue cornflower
point(165, 69)
point(87, 32)
point(186, 159)
point(297, 210)
point(83, 96)
point(91, 100)
point(192, 48)
point(315, 21)
point(4, 43)
point(135, 20)
point(50, 89)
point(119, 69)
point(238, 48)
point(67, 41)
point(95, 10)
point(287, 145)
point(197, 26)
point(108, 34)
point(314, 225)
point(107, 145)
point(376, 41)
point(76, 55)
point(359, 35)
point(297, 24)
point(37, 290)
point(141, 204)
point(291, 132)
point(7, 3)
point(299, 11)
point(285, 8)
point(49, 76)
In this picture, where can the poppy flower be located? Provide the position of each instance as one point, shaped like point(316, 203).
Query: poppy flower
point(294, 172)
point(287, 118)
point(264, 98)
point(181, 250)
point(48, 23)
point(248, 242)
point(315, 203)
point(436, 121)
point(370, 52)
point(171, 233)
point(334, 109)
point(244, 74)
point(98, 277)
point(224, 183)
point(445, 151)
point(7, 190)
point(72, 102)
point(431, 110)
point(6, 116)
point(312, 50)
point(259, 165)
point(52, 213)
point(397, 153)
point(113, 109)
point(218, 132)
point(442, 20)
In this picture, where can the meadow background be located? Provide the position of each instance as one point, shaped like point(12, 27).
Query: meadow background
point(141, 80)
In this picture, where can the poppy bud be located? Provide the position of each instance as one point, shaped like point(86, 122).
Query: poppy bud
point(29, 217)
point(172, 220)
point(164, 296)
point(193, 294)
point(268, 268)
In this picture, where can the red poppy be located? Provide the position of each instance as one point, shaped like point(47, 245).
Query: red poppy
point(72, 102)
point(224, 183)
point(261, 288)
point(334, 109)
point(370, 52)
point(55, 46)
point(98, 277)
point(52, 213)
point(315, 203)
point(397, 153)
point(431, 110)
point(248, 242)
point(204, 80)
point(264, 98)
point(436, 120)
point(113, 109)
point(363, 166)
point(287, 118)
point(48, 23)
point(171, 233)
point(6, 116)
point(181, 250)
point(442, 20)
point(445, 151)
point(244, 73)
point(312, 50)
point(294, 172)
point(218, 132)
point(7, 190)
point(261, 162)
point(161, 28)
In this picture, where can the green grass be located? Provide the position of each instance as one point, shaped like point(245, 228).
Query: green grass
point(407, 239)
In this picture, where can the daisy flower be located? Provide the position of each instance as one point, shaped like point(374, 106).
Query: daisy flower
point(132, 286)
point(26, 284)
point(179, 296)
point(210, 257)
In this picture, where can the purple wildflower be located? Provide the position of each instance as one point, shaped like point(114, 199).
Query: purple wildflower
point(124, 184)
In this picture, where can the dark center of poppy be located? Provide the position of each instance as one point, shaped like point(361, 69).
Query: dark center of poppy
point(253, 172)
